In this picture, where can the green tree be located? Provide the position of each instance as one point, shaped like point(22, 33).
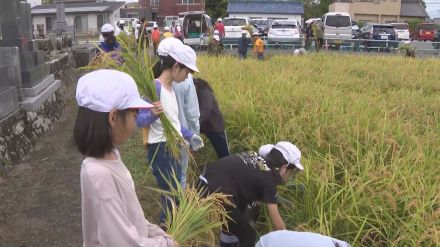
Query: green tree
point(315, 8)
point(216, 8)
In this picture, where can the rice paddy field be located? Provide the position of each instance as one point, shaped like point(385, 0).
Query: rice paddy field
point(369, 131)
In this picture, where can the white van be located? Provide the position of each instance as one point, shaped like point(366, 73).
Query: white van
point(337, 26)
point(196, 28)
point(234, 26)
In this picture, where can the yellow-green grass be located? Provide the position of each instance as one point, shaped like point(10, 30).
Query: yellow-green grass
point(369, 130)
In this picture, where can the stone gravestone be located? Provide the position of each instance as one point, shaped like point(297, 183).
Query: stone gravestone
point(60, 23)
point(36, 84)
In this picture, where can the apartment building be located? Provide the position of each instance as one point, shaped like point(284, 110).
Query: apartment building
point(380, 11)
point(161, 8)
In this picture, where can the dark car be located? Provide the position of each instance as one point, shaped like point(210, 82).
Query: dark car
point(384, 34)
point(436, 43)
point(262, 25)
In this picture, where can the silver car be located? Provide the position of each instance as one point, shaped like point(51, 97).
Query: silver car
point(284, 31)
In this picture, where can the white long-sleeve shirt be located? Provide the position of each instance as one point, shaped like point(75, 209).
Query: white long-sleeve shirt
point(111, 212)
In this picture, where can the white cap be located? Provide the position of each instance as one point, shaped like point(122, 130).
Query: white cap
point(244, 32)
point(121, 22)
point(166, 28)
point(265, 149)
point(155, 25)
point(255, 34)
point(179, 28)
point(181, 53)
point(219, 20)
point(216, 31)
point(107, 28)
point(296, 52)
point(138, 25)
point(216, 37)
point(106, 90)
point(291, 153)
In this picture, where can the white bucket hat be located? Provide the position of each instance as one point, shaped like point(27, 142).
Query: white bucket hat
point(106, 90)
point(216, 37)
point(291, 153)
point(219, 20)
point(181, 53)
point(107, 28)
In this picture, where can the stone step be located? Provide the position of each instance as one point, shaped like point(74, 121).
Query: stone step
point(8, 101)
point(27, 60)
point(39, 57)
point(30, 92)
point(32, 103)
point(35, 75)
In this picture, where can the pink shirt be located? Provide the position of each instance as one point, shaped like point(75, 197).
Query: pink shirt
point(111, 212)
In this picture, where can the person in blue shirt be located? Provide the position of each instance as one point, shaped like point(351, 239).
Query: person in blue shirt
point(109, 44)
point(189, 116)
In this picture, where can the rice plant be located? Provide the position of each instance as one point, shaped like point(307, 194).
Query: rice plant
point(139, 64)
point(369, 130)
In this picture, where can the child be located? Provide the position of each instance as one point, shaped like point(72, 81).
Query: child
point(298, 239)
point(243, 44)
point(108, 43)
point(249, 177)
point(111, 212)
point(176, 61)
point(211, 118)
point(258, 46)
point(155, 38)
point(167, 33)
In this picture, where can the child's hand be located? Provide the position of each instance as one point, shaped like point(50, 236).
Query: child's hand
point(157, 108)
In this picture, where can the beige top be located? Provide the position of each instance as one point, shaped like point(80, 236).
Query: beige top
point(111, 212)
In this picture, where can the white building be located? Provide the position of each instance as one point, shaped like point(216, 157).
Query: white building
point(86, 18)
point(266, 9)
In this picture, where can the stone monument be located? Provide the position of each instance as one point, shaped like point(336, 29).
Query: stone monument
point(35, 84)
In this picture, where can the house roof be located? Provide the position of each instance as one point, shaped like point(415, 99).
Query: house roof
point(77, 8)
point(266, 7)
point(413, 8)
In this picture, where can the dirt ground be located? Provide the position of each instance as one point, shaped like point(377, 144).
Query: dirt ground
point(40, 198)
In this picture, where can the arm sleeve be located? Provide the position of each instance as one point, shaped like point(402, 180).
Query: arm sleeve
point(114, 229)
point(206, 105)
point(186, 133)
point(145, 118)
point(269, 193)
point(191, 109)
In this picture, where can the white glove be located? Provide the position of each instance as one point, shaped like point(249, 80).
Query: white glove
point(196, 142)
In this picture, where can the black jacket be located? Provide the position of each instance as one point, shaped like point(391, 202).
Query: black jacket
point(243, 44)
point(211, 119)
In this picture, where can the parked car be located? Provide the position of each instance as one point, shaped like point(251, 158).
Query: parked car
point(436, 43)
point(424, 31)
point(383, 33)
point(262, 25)
point(234, 26)
point(337, 27)
point(402, 31)
point(284, 31)
point(196, 27)
point(150, 26)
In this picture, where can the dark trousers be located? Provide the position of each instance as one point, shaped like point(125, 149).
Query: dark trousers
point(163, 166)
point(220, 143)
point(238, 224)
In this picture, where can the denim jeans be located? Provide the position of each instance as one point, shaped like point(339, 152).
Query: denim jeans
point(163, 166)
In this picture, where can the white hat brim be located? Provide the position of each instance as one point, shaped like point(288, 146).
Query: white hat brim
point(192, 67)
point(299, 166)
point(140, 104)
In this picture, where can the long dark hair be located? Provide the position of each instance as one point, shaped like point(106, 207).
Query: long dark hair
point(200, 83)
point(92, 132)
point(164, 63)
